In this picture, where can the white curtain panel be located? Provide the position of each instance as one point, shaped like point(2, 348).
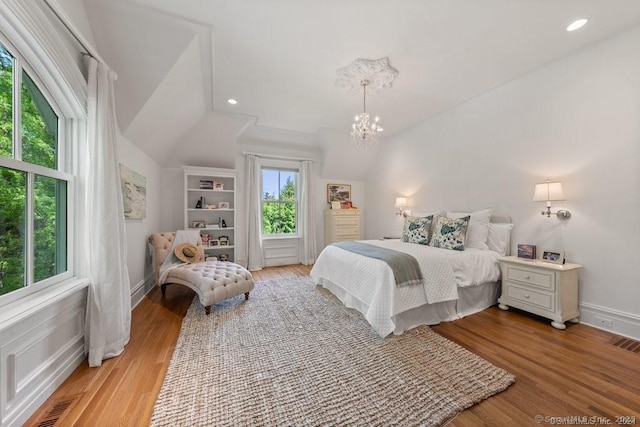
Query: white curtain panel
point(108, 321)
point(306, 218)
point(253, 249)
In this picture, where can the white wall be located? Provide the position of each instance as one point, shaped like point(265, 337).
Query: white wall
point(138, 230)
point(576, 120)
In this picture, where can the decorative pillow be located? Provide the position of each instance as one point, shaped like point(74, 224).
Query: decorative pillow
point(450, 233)
point(478, 227)
point(499, 237)
point(435, 216)
point(416, 229)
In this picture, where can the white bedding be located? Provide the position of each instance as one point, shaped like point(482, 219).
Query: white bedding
point(368, 284)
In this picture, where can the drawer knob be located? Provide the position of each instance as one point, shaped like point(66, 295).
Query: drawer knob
point(527, 277)
point(526, 295)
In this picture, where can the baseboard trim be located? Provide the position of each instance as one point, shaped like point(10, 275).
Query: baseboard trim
point(141, 289)
point(622, 323)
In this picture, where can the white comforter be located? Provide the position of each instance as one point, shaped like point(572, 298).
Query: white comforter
point(371, 281)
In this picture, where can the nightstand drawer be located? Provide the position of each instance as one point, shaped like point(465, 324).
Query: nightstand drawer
point(350, 220)
point(540, 299)
point(347, 232)
point(542, 279)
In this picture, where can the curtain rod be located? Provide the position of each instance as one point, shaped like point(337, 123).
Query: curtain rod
point(275, 156)
point(90, 51)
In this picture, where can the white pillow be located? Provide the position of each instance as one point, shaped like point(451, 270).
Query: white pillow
point(499, 237)
point(478, 231)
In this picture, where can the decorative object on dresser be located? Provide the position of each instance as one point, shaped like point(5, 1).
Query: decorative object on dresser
point(338, 192)
point(526, 251)
point(336, 205)
point(213, 190)
point(341, 224)
point(347, 205)
point(548, 290)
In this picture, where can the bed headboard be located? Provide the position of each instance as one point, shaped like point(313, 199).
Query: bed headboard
point(500, 219)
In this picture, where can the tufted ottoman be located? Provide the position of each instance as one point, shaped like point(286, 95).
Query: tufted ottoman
point(213, 281)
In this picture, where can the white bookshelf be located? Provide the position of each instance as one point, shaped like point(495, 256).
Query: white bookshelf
point(217, 215)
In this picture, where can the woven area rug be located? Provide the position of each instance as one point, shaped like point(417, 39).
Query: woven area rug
point(293, 355)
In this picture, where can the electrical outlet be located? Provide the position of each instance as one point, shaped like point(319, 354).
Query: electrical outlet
point(604, 322)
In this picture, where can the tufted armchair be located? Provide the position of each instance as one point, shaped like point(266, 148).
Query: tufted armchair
point(212, 281)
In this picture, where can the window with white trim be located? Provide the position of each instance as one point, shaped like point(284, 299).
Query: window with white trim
point(34, 187)
point(279, 202)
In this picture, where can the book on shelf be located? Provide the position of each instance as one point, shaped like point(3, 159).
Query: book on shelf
point(206, 185)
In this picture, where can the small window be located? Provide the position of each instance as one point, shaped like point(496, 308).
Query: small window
point(279, 202)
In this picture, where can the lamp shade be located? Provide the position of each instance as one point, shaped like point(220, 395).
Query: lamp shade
point(401, 202)
point(548, 191)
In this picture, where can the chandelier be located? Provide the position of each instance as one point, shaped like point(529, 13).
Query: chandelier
point(372, 75)
point(364, 132)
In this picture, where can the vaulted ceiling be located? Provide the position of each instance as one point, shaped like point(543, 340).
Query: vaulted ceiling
point(179, 61)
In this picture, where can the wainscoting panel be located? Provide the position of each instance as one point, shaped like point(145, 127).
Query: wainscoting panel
point(280, 251)
point(38, 353)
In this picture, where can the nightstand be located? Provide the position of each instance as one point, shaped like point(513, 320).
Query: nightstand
point(548, 290)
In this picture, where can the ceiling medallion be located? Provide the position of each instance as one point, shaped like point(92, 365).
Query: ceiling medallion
point(371, 75)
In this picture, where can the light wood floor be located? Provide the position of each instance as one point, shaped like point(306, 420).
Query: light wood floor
point(576, 372)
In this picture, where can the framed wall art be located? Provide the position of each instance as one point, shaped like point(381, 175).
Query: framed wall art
point(134, 193)
point(338, 192)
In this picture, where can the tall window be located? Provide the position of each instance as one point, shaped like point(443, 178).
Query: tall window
point(279, 210)
point(33, 188)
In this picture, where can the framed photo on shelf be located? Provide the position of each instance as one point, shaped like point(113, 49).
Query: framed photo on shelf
point(218, 185)
point(553, 256)
point(214, 242)
point(223, 205)
point(338, 192)
point(197, 224)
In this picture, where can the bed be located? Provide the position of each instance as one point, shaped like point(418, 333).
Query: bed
point(455, 283)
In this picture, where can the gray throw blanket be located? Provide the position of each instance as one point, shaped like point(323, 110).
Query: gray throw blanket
point(405, 267)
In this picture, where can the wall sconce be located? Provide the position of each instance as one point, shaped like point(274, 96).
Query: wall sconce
point(401, 204)
point(548, 192)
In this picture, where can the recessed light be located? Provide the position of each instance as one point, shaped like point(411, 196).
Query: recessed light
point(577, 24)
point(232, 101)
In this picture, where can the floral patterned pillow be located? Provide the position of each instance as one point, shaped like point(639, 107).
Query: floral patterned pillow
point(416, 229)
point(450, 233)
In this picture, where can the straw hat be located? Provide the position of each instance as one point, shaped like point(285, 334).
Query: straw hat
point(187, 252)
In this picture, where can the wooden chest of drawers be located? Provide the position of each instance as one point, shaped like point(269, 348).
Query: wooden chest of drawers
point(341, 224)
point(545, 289)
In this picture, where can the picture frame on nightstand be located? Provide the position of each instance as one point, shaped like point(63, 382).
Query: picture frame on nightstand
point(552, 256)
point(526, 251)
